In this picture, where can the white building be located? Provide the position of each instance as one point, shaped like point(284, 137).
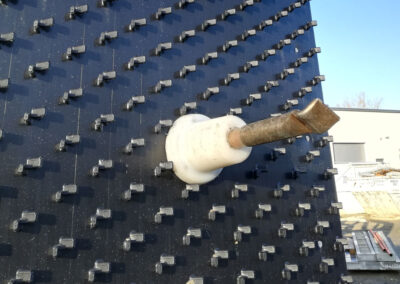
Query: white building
point(366, 143)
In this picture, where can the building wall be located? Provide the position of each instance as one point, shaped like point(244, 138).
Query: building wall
point(379, 130)
point(359, 190)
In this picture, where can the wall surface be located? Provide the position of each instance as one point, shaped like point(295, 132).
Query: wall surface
point(122, 210)
point(378, 130)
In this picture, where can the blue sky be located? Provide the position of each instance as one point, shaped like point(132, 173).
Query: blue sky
point(360, 41)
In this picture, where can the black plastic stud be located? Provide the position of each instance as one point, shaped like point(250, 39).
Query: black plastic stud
point(185, 70)
point(224, 15)
point(289, 270)
point(317, 79)
point(193, 279)
point(22, 276)
point(183, 3)
point(133, 101)
point(276, 152)
point(189, 188)
point(63, 244)
point(134, 238)
point(235, 192)
point(293, 6)
point(40, 67)
point(161, 12)
point(262, 209)
point(106, 37)
point(334, 208)
point(163, 212)
point(209, 92)
point(185, 35)
point(100, 266)
point(289, 104)
point(321, 226)
point(43, 24)
point(161, 85)
point(208, 23)
point(192, 233)
point(7, 38)
point(300, 61)
point(313, 51)
point(258, 170)
point(216, 209)
point(310, 156)
point(162, 124)
point(240, 231)
point(250, 99)
point(71, 94)
point(340, 244)
point(69, 140)
point(230, 77)
point(134, 62)
point(4, 84)
point(219, 255)
point(165, 260)
point(280, 15)
point(265, 24)
point(227, 45)
point(265, 251)
point(36, 113)
point(104, 77)
point(346, 279)
point(286, 72)
point(104, 3)
point(249, 64)
point(324, 141)
point(304, 250)
point(67, 190)
point(134, 188)
point(101, 214)
point(161, 48)
point(206, 58)
point(135, 24)
point(278, 192)
point(245, 4)
point(325, 264)
point(329, 173)
point(27, 217)
point(75, 50)
point(75, 11)
point(284, 228)
point(282, 43)
point(31, 163)
point(266, 53)
point(247, 34)
point(101, 166)
point(296, 33)
point(299, 211)
point(269, 85)
point(303, 91)
point(187, 107)
point(310, 25)
point(162, 167)
point(103, 120)
point(316, 190)
point(245, 275)
point(134, 143)
point(235, 111)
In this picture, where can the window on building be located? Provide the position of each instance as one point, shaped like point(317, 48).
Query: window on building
point(348, 153)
